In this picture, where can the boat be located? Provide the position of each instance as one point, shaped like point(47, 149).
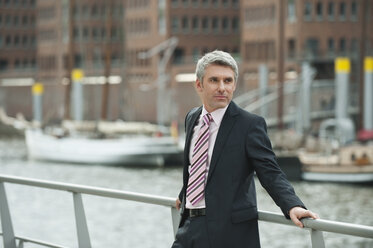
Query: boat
point(134, 148)
point(352, 163)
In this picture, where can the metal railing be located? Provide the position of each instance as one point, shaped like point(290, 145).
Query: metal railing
point(9, 238)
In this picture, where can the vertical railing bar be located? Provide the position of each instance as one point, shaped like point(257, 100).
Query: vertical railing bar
point(6, 220)
point(20, 244)
point(317, 239)
point(81, 222)
point(175, 219)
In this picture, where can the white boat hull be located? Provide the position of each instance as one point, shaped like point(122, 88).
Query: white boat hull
point(131, 149)
point(338, 177)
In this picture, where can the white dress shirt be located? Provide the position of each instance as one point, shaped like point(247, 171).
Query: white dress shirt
point(217, 117)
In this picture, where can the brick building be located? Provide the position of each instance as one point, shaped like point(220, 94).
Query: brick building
point(200, 26)
point(315, 31)
point(18, 65)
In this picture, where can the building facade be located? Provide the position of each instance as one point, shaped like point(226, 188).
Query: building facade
point(200, 26)
point(313, 30)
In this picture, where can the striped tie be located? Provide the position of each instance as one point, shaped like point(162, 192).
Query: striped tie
point(197, 174)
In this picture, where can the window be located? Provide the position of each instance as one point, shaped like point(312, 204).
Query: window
point(331, 11)
point(225, 25)
point(205, 3)
point(319, 10)
point(17, 64)
point(235, 3)
point(25, 63)
point(215, 3)
point(195, 3)
point(354, 11)
point(185, 24)
point(195, 54)
point(7, 20)
point(195, 24)
point(308, 11)
point(215, 24)
point(24, 20)
point(235, 24)
point(85, 33)
point(205, 24)
point(291, 48)
point(342, 45)
point(354, 46)
point(178, 56)
point(342, 11)
point(24, 40)
point(8, 40)
point(3, 64)
point(225, 3)
point(15, 21)
point(175, 24)
point(312, 46)
point(174, 3)
point(291, 11)
point(331, 47)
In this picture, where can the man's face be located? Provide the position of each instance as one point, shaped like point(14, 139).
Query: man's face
point(216, 90)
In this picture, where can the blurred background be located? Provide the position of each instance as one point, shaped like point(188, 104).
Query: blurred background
point(95, 92)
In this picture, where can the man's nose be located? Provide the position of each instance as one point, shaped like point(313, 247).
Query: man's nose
point(221, 85)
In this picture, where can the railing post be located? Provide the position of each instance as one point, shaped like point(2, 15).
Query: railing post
point(175, 219)
point(6, 220)
point(317, 239)
point(81, 222)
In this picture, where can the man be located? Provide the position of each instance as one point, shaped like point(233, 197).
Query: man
point(224, 146)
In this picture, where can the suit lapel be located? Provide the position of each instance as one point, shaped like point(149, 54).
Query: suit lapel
point(221, 138)
point(190, 125)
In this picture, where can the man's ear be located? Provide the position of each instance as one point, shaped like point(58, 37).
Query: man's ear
point(199, 85)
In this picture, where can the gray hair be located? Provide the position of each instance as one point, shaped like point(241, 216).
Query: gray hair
point(216, 58)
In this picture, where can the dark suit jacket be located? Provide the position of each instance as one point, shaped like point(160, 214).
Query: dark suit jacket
point(242, 147)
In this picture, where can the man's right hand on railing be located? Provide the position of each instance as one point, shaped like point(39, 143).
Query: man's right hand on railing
point(177, 204)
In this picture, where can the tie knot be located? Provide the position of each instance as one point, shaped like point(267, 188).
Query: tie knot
point(207, 118)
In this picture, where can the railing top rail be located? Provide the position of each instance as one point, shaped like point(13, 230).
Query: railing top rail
point(111, 193)
point(24, 239)
point(319, 224)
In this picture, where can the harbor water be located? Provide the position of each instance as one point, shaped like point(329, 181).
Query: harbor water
point(49, 215)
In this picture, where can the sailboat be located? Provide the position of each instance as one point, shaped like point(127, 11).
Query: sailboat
point(139, 145)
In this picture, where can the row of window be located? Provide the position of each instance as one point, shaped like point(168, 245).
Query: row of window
point(16, 3)
point(97, 33)
point(15, 40)
point(137, 3)
point(341, 45)
point(260, 15)
point(266, 50)
point(97, 11)
point(138, 26)
point(18, 64)
point(330, 10)
point(17, 20)
point(204, 24)
point(205, 3)
point(260, 51)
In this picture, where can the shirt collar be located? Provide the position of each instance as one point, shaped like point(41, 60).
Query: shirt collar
point(217, 115)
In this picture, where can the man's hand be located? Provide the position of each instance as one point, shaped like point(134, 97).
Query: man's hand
point(297, 213)
point(177, 204)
